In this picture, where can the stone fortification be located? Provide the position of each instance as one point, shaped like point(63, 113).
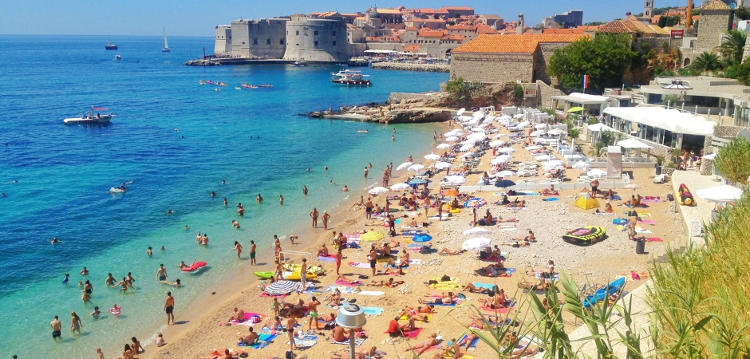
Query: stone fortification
point(318, 40)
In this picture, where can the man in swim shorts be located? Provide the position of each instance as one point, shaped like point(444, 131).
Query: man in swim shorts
point(252, 252)
point(56, 327)
point(161, 273)
point(169, 308)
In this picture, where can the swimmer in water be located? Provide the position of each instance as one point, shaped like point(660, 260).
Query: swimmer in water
point(213, 194)
point(304, 190)
point(110, 281)
point(236, 224)
point(308, 169)
point(149, 252)
point(345, 189)
point(84, 271)
point(176, 283)
point(66, 279)
point(325, 168)
point(281, 200)
point(259, 198)
point(54, 240)
point(169, 212)
point(163, 249)
point(223, 181)
point(225, 202)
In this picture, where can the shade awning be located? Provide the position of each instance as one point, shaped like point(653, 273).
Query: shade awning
point(671, 120)
point(632, 143)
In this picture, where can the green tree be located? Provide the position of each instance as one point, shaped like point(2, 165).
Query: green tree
point(740, 72)
point(707, 62)
point(461, 91)
point(742, 13)
point(669, 21)
point(732, 46)
point(733, 160)
point(518, 93)
point(604, 59)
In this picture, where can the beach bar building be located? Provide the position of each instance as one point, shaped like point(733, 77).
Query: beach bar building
point(660, 127)
point(591, 104)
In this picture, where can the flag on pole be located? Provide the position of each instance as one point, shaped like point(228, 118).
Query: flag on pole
point(585, 81)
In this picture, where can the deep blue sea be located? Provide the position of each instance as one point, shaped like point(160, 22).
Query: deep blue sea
point(175, 141)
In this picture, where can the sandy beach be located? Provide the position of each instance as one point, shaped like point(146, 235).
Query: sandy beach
point(202, 327)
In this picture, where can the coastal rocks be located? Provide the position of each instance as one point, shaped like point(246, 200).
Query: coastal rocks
point(201, 62)
point(411, 66)
point(418, 115)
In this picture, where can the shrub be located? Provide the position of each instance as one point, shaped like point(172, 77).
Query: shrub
point(733, 161)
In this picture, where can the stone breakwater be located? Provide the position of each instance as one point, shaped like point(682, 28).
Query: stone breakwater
point(411, 67)
point(399, 108)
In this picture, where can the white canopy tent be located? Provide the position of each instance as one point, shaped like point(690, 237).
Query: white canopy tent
point(632, 143)
point(671, 120)
point(724, 193)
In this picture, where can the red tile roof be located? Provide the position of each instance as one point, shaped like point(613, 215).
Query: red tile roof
point(457, 8)
point(514, 43)
point(425, 32)
point(573, 30)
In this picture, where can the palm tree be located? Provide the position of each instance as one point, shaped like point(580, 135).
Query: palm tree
point(707, 62)
point(732, 46)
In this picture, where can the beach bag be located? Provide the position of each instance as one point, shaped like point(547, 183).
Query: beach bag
point(445, 278)
point(670, 197)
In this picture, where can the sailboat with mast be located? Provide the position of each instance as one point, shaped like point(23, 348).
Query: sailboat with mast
point(166, 45)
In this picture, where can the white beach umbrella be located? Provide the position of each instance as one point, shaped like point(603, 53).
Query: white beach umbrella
point(540, 126)
point(451, 138)
point(524, 124)
point(497, 143)
point(505, 173)
point(443, 146)
point(478, 129)
point(455, 132)
point(466, 147)
point(477, 231)
point(404, 166)
point(442, 165)
point(536, 133)
point(725, 193)
point(432, 157)
point(596, 173)
point(475, 243)
point(500, 159)
point(583, 165)
point(476, 136)
point(460, 111)
point(552, 164)
point(533, 147)
point(518, 115)
point(505, 150)
point(400, 186)
point(455, 179)
point(555, 132)
point(377, 190)
point(416, 167)
point(467, 155)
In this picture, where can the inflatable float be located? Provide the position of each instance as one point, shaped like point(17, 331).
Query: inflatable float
point(311, 270)
point(264, 275)
point(585, 236)
point(115, 310)
point(684, 196)
point(194, 267)
point(603, 293)
point(296, 275)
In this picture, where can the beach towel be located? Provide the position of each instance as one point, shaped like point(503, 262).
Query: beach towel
point(360, 265)
point(473, 343)
point(305, 341)
point(451, 304)
point(483, 285)
point(411, 334)
point(348, 283)
point(654, 239)
point(643, 214)
point(370, 292)
point(550, 199)
point(357, 341)
point(452, 284)
point(263, 341)
point(341, 289)
point(620, 221)
point(647, 221)
point(329, 258)
point(650, 199)
point(352, 236)
point(372, 310)
point(640, 230)
point(248, 322)
point(404, 317)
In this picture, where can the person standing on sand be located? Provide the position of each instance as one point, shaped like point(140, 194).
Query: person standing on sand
point(169, 308)
point(373, 258)
point(314, 215)
point(339, 255)
point(290, 323)
point(326, 217)
point(426, 205)
point(252, 252)
point(238, 248)
point(303, 273)
point(312, 308)
point(56, 328)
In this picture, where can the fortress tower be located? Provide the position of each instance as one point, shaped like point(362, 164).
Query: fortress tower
point(716, 19)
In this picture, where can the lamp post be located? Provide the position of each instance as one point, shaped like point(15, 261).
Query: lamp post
point(351, 316)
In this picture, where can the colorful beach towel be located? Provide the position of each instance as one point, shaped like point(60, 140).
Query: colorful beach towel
point(654, 239)
point(329, 258)
point(248, 319)
point(357, 341)
point(355, 283)
point(372, 310)
point(263, 341)
point(360, 265)
point(647, 221)
point(550, 199)
point(305, 341)
point(473, 343)
point(621, 221)
point(483, 285)
point(411, 334)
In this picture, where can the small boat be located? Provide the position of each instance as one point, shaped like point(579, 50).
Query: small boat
point(265, 85)
point(166, 45)
point(363, 131)
point(299, 63)
point(350, 78)
point(110, 46)
point(248, 86)
point(118, 57)
point(91, 118)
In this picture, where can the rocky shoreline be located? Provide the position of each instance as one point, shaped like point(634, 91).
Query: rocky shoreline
point(399, 108)
point(411, 67)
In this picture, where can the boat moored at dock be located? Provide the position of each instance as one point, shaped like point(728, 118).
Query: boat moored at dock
point(350, 78)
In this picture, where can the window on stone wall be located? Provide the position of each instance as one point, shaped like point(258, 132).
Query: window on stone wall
point(333, 33)
point(334, 43)
point(268, 41)
point(281, 42)
point(297, 32)
point(316, 43)
point(255, 41)
point(315, 33)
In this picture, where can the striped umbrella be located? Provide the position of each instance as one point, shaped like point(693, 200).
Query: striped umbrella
point(282, 287)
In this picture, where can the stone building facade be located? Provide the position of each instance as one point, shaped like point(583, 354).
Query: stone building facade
point(297, 37)
point(508, 58)
point(716, 18)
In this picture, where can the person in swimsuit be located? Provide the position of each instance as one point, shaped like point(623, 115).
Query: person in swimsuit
point(290, 323)
point(314, 216)
point(312, 308)
point(56, 328)
point(169, 308)
point(75, 323)
point(238, 248)
point(339, 255)
point(373, 257)
point(161, 273)
point(252, 252)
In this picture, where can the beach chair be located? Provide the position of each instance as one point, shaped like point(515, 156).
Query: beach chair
point(584, 179)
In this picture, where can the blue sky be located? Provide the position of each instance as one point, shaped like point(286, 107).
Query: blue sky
point(198, 17)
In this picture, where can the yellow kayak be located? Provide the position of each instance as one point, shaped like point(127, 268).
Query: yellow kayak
point(296, 275)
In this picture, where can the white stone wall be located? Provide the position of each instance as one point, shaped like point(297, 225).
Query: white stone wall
point(223, 40)
point(317, 40)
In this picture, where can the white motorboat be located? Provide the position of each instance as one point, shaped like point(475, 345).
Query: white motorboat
point(349, 77)
point(91, 118)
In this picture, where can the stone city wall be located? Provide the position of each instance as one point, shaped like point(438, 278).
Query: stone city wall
point(492, 68)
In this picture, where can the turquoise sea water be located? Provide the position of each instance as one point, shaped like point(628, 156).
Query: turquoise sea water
point(176, 141)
